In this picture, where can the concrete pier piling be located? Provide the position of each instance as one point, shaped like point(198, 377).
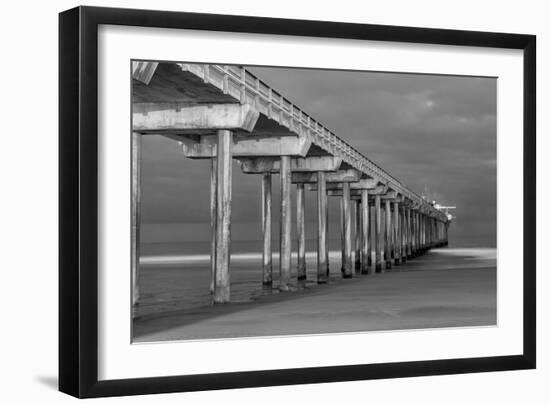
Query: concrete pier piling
point(136, 217)
point(396, 232)
point(378, 234)
point(388, 235)
point(286, 223)
point(346, 212)
point(301, 231)
point(213, 218)
point(371, 239)
point(403, 235)
point(365, 230)
point(223, 219)
point(358, 235)
point(409, 233)
point(267, 258)
point(322, 251)
point(327, 245)
point(342, 236)
point(220, 114)
point(413, 238)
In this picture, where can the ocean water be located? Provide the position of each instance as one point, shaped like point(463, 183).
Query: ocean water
point(176, 276)
point(171, 280)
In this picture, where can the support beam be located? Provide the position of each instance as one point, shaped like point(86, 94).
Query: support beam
point(378, 234)
point(301, 231)
point(380, 189)
point(327, 241)
point(286, 225)
point(349, 175)
point(213, 220)
point(365, 232)
point(223, 217)
point(434, 232)
point(403, 235)
point(418, 230)
point(424, 233)
point(419, 235)
point(358, 233)
point(181, 118)
point(413, 241)
point(267, 259)
point(371, 229)
point(298, 164)
point(322, 262)
point(136, 214)
point(409, 233)
point(355, 186)
point(246, 146)
point(346, 263)
point(342, 235)
point(391, 195)
point(428, 233)
point(430, 222)
point(415, 232)
point(396, 234)
point(387, 240)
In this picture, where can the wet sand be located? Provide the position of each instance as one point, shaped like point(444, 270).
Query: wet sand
point(443, 288)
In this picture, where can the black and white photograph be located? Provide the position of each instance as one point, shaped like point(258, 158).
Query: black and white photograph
point(284, 201)
point(275, 202)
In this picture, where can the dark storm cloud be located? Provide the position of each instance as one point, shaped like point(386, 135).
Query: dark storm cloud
point(437, 134)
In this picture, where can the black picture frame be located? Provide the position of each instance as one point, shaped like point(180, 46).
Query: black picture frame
point(78, 201)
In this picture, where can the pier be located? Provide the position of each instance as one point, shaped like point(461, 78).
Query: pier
point(221, 113)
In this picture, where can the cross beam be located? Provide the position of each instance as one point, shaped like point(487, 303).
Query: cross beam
point(180, 118)
point(300, 164)
point(204, 147)
point(349, 175)
point(369, 184)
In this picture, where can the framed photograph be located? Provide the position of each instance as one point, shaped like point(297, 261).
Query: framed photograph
point(251, 201)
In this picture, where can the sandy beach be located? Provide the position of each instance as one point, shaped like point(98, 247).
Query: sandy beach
point(444, 288)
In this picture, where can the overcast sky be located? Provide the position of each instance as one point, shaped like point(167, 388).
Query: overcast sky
point(436, 134)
